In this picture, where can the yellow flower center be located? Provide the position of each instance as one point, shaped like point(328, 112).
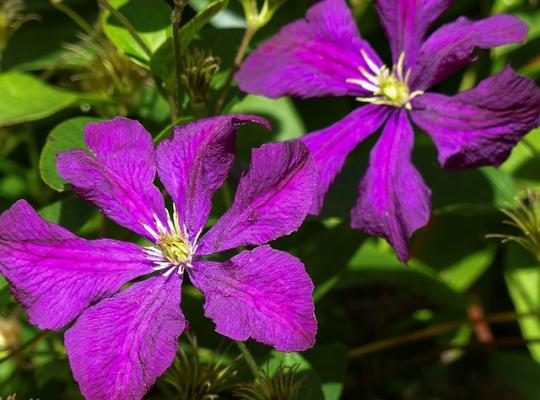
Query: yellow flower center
point(389, 87)
point(174, 248)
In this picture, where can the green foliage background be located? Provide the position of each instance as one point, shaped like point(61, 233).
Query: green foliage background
point(386, 331)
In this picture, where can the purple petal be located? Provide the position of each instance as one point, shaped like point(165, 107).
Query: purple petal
point(54, 274)
point(330, 146)
point(482, 125)
point(272, 198)
point(118, 177)
point(194, 163)
point(310, 57)
point(450, 48)
point(120, 346)
point(393, 198)
point(264, 294)
point(406, 22)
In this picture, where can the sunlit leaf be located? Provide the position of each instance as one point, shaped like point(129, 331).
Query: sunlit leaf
point(522, 277)
point(151, 21)
point(24, 97)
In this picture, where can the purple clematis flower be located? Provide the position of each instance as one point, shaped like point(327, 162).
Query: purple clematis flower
point(324, 54)
point(120, 343)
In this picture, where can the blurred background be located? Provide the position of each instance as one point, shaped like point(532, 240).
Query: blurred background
point(460, 321)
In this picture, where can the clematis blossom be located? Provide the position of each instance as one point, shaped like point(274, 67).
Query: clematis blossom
point(324, 55)
point(121, 341)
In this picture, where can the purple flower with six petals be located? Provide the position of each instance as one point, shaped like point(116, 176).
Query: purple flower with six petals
point(120, 343)
point(324, 54)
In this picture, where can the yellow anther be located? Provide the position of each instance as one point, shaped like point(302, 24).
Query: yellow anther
point(389, 87)
point(175, 248)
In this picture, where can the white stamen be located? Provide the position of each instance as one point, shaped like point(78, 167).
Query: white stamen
point(169, 272)
point(366, 85)
point(372, 78)
point(152, 232)
point(370, 62)
point(160, 225)
point(169, 222)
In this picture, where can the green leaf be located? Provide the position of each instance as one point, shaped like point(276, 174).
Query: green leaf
point(151, 21)
point(5, 295)
point(523, 283)
point(65, 136)
point(518, 371)
point(524, 161)
point(195, 24)
point(329, 361)
point(464, 273)
point(376, 262)
point(225, 19)
point(72, 213)
point(286, 122)
point(323, 368)
point(25, 98)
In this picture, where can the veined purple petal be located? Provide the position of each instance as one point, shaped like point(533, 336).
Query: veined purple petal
point(54, 274)
point(406, 23)
point(393, 199)
point(330, 146)
point(119, 347)
point(118, 177)
point(449, 48)
point(272, 198)
point(310, 57)
point(194, 163)
point(480, 126)
point(264, 294)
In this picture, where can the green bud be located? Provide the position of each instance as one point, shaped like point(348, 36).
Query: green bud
point(525, 216)
point(198, 70)
point(256, 19)
point(285, 383)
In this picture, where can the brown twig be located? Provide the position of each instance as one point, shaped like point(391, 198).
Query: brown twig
point(432, 331)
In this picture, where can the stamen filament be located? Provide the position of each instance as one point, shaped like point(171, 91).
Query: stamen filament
point(370, 63)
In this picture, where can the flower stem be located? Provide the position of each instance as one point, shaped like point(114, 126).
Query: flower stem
point(61, 6)
point(250, 361)
point(167, 130)
point(26, 345)
point(435, 330)
point(126, 24)
point(176, 19)
point(246, 40)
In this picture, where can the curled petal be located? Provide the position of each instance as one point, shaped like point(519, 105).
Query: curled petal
point(194, 163)
point(406, 23)
point(272, 198)
point(54, 274)
point(393, 199)
point(119, 347)
point(450, 48)
point(264, 294)
point(331, 146)
point(118, 177)
point(311, 57)
point(482, 125)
